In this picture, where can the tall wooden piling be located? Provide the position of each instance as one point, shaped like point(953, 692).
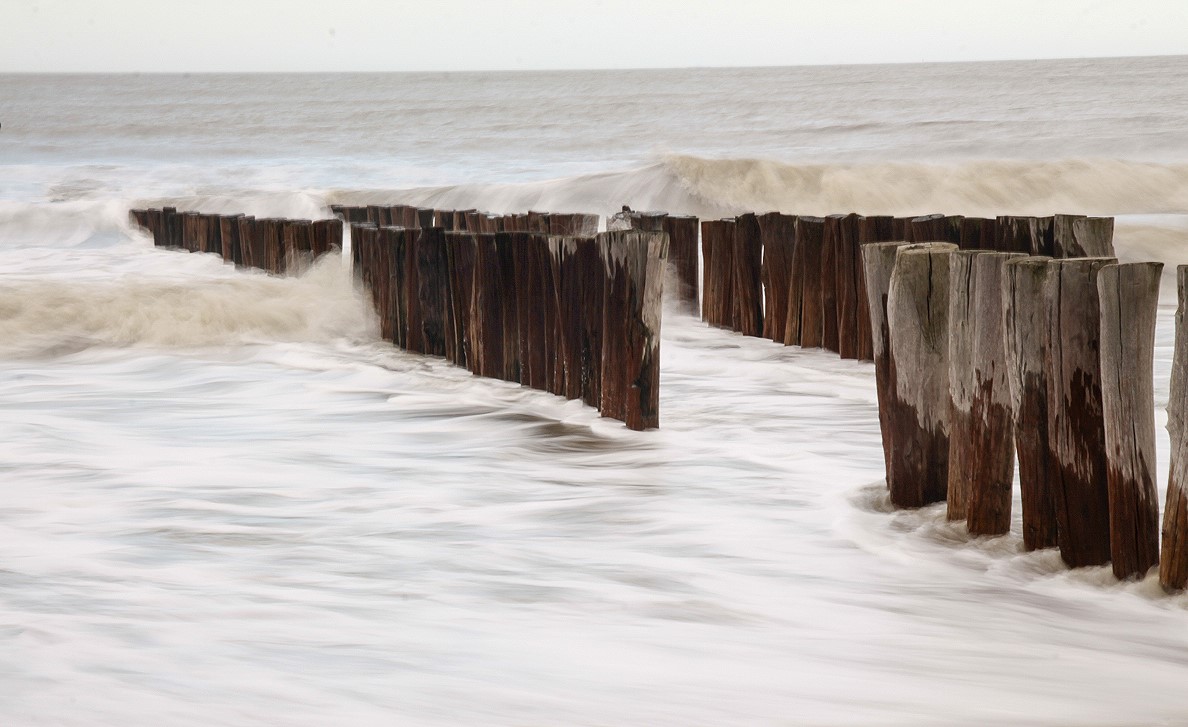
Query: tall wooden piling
point(717, 244)
point(748, 276)
point(682, 256)
point(779, 243)
point(634, 264)
point(1173, 561)
point(846, 266)
point(1025, 329)
point(917, 315)
point(878, 262)
point(1076, 428)
point(981, 422)
point(1129, 296)
point(807, 329)
point(830, 249)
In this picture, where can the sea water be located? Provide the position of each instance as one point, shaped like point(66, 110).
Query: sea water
point(225, 501)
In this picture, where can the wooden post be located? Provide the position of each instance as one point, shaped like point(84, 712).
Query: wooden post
point(1021, 234)
point(1025, 315)
point(873, 229)
point(1173, 563)
point(917, 316)
point(1081, 236)
point(229, 236)
point(748, 276)
point(1129, 296)
point(248, 245)
point(977, 233)
point(487, 303)
point(682, 255)
point(806, 278)
point(631, 326)
point(509, 284)
point(717, 244)
point(548, 304)
point(1076, 428)
point(779, 245)
point(830, 245)
point(460, 253)
point(846, 266)
point(981, 421)
point(433, 290)
point(878, 261)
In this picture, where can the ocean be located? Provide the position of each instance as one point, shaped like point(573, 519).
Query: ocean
point(227, 502)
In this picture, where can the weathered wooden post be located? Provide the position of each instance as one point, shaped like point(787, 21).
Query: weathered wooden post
point(460, 253)
point(917, 316)
point(229, 236)
point(487, 303)
point(1025, 330)
point(878, 261)
point(830, 244)
point(1129, 296)
point(634, 263)
point(248, 245)
point(846, 267)
point(1173, 562)
point(717, 245)
point(1022, 234)
point(779, 243)
point(1081, 236)
point(875, 228)
point(981, 423)
point(433, 288)
point(977, 233)
point(748, 276)
point(1076, 427)
point(807, 330)
point(682, 255)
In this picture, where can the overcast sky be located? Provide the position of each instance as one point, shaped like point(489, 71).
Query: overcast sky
point(386, 35)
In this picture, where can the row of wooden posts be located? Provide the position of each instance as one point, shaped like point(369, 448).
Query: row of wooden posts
point(540, 299)
point(994, 340)
point(271, 244)
point(799, 280)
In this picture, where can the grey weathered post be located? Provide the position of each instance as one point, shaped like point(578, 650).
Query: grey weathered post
point(1076, 426)
point(1173, 562)
point(878, 261)
point(981, 441)
point(917, 316)
point(1129, 296)
point(1081, 236)
point(1025, 331)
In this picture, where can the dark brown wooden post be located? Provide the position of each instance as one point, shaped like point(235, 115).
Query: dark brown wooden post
point(1076, 427)
point(981, 421)
point(830, 250)
point(1081, 236)
point(977, 233)
point(779, 245)
point(509, 283)
point(917, 316)
point(806, 278)
point(1173, 562)
point(433, 290)
point(229, 236)
point(529, 302)
point(460, 255)
point(1129, 296)
point(415, 333)
point(748, 276)
point(631, 326)
point(717, 243)
point(873, 229)
point(249, 247)
point(682, 256)
point(1021, 234)
point(573, 255)
point(547, 303)
point(878, 261)
point(929, 228)
point(487, 303)
point(1025, 316)
point(846, 266)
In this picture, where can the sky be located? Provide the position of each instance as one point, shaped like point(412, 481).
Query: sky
point(446, 35)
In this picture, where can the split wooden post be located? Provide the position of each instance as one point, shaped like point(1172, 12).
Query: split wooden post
point(1129, 296)
point(878, 261)
point(1081, 236)
point(917, 316)
point(846, 266)
point(748, 276)
point(717, 245)
point(981, 424)
point(1025, 330)
point(1173, 562)
point(1076, 427)
point(807, 329)
point(779, 243)
point(634, 264)
point(682, 256)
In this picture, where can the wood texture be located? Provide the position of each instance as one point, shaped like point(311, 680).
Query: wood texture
point(779, 243)
point(1129, 296)
point(878, 262)
point(1173, 561)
